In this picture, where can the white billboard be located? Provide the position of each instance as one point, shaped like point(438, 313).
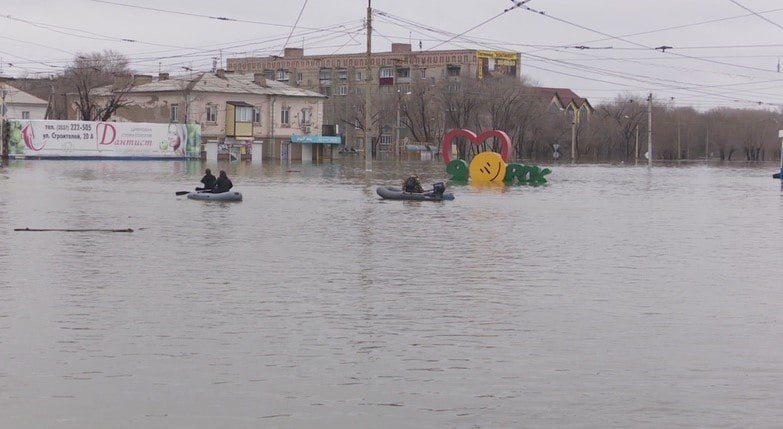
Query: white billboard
point(86, 139)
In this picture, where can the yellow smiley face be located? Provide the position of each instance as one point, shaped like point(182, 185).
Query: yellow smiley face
point(487, 167)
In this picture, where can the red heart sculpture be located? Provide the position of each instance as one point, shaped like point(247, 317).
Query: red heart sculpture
point(505, 141)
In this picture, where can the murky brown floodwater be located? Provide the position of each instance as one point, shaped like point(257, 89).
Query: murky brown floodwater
point(614, 297)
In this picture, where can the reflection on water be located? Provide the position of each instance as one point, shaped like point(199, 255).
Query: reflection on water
point(614, 297)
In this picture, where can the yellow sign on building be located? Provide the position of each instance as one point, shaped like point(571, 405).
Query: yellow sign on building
point(497, 63)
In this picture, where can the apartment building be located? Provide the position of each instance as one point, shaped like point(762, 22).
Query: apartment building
point(338, 74)
point(390, 72)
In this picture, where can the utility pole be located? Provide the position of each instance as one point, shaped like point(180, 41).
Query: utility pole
point(397, 142)
point(367, 86)
point(636, 149)
point(573, 139)
point(649, 131)
point(707, 145)
point(3, 145)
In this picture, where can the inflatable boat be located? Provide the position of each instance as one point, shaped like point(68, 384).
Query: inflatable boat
point(438, 193)
point(209, 196)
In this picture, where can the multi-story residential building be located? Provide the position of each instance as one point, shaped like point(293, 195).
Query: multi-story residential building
point(337, 74)
point(395, 72)
point(232, 109)
point(390, 72)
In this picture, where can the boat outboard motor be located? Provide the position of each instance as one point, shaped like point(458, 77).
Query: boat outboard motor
point(439, 188)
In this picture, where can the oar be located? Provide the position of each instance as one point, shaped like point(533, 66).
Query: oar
point(182, 192)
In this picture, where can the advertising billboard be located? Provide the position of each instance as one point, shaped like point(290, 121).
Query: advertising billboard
point(496, 63)
point(97, 140)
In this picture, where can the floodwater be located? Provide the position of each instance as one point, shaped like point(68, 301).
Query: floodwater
point(614, 297)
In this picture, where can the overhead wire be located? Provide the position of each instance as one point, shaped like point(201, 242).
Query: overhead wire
point(295, 23)
point(438, 37)
point(684, 85)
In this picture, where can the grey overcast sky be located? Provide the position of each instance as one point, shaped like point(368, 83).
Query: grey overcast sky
point(698, 53)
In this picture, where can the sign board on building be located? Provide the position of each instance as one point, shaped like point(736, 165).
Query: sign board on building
point(88, 139)
point(296, 138)
point(497, 63)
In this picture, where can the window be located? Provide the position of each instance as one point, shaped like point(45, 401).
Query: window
point(387, 72)
point(257, 114)
point(212, 112)
point(307, 115)
point(359, 76)
point(453, 70)
point(269, 74)
point(283, 75)
point(423, 73)
point(403, 72)
point(284, 115)
point(25, 115)
point(341, 90)
point(385, 140)
point(325, 74)
point(244, 114)
point(342, 74)
point(404, 88)
point(174, 113)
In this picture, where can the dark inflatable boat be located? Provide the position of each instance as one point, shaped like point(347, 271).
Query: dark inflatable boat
point(438, 193)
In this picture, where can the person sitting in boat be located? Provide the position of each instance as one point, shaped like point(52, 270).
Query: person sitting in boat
point(412, 184)
point(208, 180)
point(223, 183)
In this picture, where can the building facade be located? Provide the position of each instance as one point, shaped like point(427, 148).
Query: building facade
point(234, 110)
point(18, 104)
point(337, 74)
point(390, 72)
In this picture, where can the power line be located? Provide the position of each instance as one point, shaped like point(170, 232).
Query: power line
point(757, 14)
point(295, 24)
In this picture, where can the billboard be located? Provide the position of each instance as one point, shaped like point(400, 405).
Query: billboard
point(97, 140)
point(496, 63)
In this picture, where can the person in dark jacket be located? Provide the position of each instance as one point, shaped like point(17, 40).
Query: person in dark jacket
point(412, 184)
point(208, 180)
point(223, 183)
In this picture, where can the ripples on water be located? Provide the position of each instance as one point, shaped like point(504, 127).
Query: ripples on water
point(614, 297)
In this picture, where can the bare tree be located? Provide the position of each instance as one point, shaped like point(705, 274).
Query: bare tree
point(460, 101)
point(419, 113)
point(88, 72)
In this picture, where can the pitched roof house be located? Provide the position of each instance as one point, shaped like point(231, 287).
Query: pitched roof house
point(18, 104)
point(230, 108)
point(565, 100)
